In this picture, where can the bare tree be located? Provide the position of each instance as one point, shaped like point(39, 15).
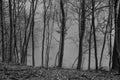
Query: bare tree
point(89, 57)
point(116, 48)
point(49, 31)
point(104, 41)
point(2, 29)
point(32, 24)
point(28, 31)
point(62, 35)
point(15, 51)
point(94, 33)
point(24, 43)
point(81, 33)
point(44, 28)
point(110, 32)
point(11, 31)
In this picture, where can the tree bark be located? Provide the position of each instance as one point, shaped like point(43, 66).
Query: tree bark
point(62, 35)
point(116, 49)
point(32, 24)
point(2, 31)
point(44, 30)
point(81, 34)
point(89, 57)
point(11, 31)
point(110, 34)
point(94, 33)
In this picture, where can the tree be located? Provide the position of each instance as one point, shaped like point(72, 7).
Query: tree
point(116, 48)
point(110, 32)
point(105, 35)
point(89, 57)
point(11, 31)
point(108, 27)
point(44, 28)
point(81, 33)
point(49, 31)
point(93, 25)
point(62, 34)
point(2, 29)
point(28, 32)
point(15, 51)
point(32, 24)
point(24, 42)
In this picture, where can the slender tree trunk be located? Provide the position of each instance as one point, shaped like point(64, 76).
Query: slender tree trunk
point(23, 43)
point(81, 34)
point(62, 34)
point(48, 31)
point(33, 47)
point(47, 46)
point(89, 57)
point(14, 28)
point(11, 31)
point(20, 41)
point(105, 35)
point(47, 43)
point(93, 25)
point(2, 31)
point(104, 41)
point(110, 41)
point(44, 28)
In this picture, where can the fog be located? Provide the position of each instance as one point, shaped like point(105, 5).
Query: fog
point(71, 44)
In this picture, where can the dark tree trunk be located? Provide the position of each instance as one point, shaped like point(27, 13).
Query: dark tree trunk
point(32, 24)
point(81, 34)
point(11, 31)
point(116, 49)
point(14, 28)
point(2, 29)
point(62, 35)
point(93, 25)
point(110, 34)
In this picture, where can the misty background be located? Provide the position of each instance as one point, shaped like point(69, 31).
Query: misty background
point(71, 38)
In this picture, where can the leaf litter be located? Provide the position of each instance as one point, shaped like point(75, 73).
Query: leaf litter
point(21, 72)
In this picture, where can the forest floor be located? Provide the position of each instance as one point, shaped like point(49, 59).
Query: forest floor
point(19, 72)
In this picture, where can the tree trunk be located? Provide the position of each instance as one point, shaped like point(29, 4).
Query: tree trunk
point(14, 30)
point(32, 24)
point(11, 31)
point(89, 57)
point(62, 35)
point(116, 49)
point(110, 34)
point(2, 29)
point(81, 33)
point(104, 41)
point(93, 25)
point(44, 28)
